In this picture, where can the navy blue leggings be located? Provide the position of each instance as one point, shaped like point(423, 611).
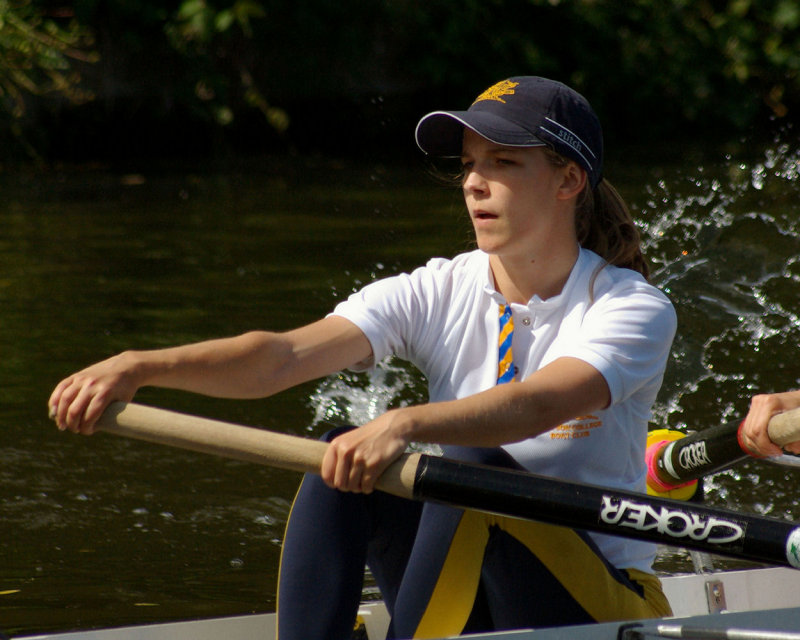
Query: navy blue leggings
point(332, 535)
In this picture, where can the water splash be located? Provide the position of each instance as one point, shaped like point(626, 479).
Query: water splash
point(724, 242)
point(356, 398)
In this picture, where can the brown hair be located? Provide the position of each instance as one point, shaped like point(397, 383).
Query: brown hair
point(603, 224)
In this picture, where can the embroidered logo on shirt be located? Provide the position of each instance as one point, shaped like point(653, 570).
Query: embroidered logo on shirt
point(497, 91)
point(578, 428)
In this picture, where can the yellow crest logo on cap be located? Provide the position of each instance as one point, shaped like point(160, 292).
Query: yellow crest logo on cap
point(496, 92)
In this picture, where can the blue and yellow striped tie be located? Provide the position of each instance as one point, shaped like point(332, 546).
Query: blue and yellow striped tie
point(505, 365)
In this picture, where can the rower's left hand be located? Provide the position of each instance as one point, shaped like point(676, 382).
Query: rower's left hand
point(355, 460)
point(754, 434)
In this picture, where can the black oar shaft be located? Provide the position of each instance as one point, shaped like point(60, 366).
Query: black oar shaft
point(615, 512)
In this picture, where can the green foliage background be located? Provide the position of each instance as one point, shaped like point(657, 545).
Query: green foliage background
point(194, 76)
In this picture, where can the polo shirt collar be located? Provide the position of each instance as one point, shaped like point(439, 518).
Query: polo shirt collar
point(536, 302)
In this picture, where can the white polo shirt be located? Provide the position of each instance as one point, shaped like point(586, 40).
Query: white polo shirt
point(443, 318)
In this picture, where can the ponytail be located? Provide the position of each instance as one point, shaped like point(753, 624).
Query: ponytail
point(604, 225)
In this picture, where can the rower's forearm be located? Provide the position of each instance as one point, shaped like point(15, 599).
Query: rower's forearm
point(489, 419)
point(251, 365)
point(511, 412)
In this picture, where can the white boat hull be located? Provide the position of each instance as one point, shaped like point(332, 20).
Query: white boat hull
point(764, 599)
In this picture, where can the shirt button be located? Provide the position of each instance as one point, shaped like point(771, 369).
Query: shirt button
point(526, 321)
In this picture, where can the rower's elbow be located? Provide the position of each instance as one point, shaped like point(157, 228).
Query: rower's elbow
point(269, 359)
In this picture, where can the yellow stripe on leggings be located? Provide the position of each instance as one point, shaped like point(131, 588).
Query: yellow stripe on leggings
point(454, 594)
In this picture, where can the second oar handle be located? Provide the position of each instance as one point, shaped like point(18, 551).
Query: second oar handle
point(714, 449)
point(785, 427)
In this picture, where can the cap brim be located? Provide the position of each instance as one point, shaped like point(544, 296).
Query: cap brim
point(441, 133)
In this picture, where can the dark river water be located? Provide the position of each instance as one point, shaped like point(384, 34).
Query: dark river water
point(105, 531)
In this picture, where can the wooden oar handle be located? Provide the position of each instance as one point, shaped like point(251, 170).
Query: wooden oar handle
point(238, 442)
point(785, 427)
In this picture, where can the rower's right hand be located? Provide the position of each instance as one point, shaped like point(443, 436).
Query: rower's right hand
point(79, 400)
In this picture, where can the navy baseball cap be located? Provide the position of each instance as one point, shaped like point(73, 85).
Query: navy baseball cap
point(524, 111)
